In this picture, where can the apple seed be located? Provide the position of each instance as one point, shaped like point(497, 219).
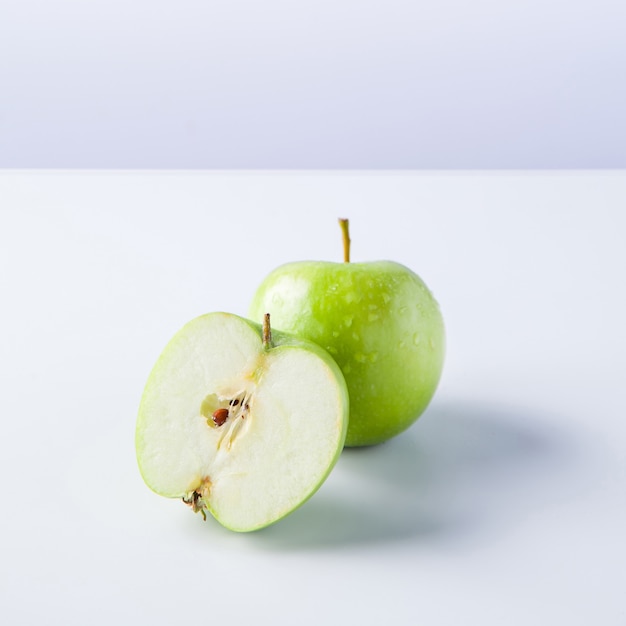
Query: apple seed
point(220, 416)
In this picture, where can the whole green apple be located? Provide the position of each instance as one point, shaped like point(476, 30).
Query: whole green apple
point(380, 323)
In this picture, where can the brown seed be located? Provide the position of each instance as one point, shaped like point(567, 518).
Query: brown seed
point(220, 416)
point(234, 402)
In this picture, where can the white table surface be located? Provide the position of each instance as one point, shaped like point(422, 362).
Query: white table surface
point(504, 504)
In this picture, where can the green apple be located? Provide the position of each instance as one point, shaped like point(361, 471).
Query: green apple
point(240, 423)
point(380, 323)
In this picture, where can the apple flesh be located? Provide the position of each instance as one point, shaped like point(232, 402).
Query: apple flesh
point(379, 322)
point(239, 423)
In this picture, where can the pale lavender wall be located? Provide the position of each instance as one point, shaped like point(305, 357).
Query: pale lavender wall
point(313, 84)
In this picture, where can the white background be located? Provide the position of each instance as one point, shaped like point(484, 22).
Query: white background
point(313, 84)
point(504, 504)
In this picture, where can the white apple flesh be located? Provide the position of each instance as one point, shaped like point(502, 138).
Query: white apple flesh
point(239, 425)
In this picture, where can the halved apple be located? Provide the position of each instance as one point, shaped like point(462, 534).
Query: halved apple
point(239, 423)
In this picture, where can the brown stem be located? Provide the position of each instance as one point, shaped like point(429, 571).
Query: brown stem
point(267, 332)
point(345, 231)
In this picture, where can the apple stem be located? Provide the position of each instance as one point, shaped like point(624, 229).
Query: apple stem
point(267, 332)
point(345, 231)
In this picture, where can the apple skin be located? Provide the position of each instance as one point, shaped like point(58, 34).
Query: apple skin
point(380, 323)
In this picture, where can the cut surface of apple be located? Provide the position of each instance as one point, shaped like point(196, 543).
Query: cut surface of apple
point(240, 425)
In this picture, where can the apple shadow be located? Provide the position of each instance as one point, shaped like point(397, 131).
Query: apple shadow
point(461, 470)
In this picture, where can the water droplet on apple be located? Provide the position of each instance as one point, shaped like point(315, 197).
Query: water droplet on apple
point(372, 317)
point(417, 339)
point(373, 357)
point(359, 357)
point(347, 320)
point(335, 333)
